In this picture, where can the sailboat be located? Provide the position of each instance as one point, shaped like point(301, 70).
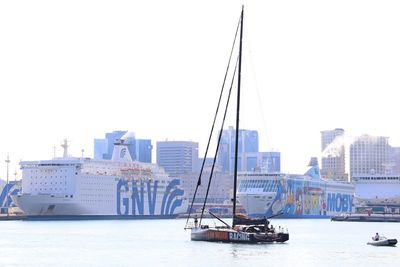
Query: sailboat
point(243, 229)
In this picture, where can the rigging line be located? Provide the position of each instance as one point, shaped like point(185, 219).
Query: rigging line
point(215, 118)
point(219, 140)
point(261, 107)
point(257, 87)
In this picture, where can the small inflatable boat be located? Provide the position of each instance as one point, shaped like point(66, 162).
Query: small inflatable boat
point(383, 241)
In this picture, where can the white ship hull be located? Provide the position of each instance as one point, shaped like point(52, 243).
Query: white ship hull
point(85, 187)
point(125, 201)
point(49, 205)
point(264, 195)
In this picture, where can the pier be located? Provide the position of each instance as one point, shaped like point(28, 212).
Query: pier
point(359, 217)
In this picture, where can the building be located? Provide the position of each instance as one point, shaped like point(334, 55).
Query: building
point(103, 147)
point(394, 159)
point(269, 162)
point(370, 155)
point(143, 150)
point(221, 187)
point(178, 157)
point(377, 192)
point(248, 142)
point(139, 149)
point(100, 148)
point(333, 154)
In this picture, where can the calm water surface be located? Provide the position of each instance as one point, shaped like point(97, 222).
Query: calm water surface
point(165, 243)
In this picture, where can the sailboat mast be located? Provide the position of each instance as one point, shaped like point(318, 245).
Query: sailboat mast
point(237, 120)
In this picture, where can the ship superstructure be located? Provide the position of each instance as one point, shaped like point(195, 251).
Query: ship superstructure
point(377, 193)
point(120, 187)
point(294, 196)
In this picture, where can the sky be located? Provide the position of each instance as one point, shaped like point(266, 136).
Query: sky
point(79, 69)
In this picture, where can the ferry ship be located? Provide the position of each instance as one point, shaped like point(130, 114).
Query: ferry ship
point(376, 199)
point(7, 190)
point(377, 193)
point(71, 187)
point(294, 196)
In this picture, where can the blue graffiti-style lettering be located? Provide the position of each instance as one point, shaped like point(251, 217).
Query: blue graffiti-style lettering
point(125, 201)
point(172, 196)
point(331, 202)
point(345, 206)
point(339, 202)
point(350, 208)
point(5, 196)
point(137, 198)
point(152, 196)
point(170, 186)
point(177, 203)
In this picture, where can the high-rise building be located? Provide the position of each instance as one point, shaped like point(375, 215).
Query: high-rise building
point(100, 148)
point(111, 138)
point(248, 142)
point(143, 150)
point(369, 155)
point(178, 157)
point(269, 162)
point(139, 149)
point(220, 190)
point(394, 160)
point(333, 154)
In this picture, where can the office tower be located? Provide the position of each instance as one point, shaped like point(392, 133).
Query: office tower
point(139, 149)
point(369, 155)
point(178, 157)
point(333, 154)
point(248, 142)
point(269, 162)
point(100, 148)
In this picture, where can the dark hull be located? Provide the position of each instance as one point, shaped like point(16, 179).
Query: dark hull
point(385, 242)
point(232, 236)
point(12, 217)
point(366, 218)
point(94, 217)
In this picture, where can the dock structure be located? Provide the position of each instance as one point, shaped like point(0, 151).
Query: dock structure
point(11, 217)
point(357, 217)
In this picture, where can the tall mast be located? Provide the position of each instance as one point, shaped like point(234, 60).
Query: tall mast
point(7, 187)
point(237, 119)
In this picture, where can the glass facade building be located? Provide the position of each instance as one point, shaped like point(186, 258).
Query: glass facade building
point(248, 142)
point(178, 157)
point(139, 149)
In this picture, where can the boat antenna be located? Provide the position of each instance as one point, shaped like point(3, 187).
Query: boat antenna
point(215, 118)
point(64, 145)
point(237, 119)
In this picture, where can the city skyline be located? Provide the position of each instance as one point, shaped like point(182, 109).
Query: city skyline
point(157, 70)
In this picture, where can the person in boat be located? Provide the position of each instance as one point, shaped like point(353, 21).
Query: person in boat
point(195, 220)
point(266, 224)
point(272, 229)
point(239, 228)
point(376, 237)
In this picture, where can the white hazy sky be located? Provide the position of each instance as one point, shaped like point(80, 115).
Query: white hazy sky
point(78, 69)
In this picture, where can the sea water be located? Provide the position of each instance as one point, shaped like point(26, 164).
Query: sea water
point(317, 242)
